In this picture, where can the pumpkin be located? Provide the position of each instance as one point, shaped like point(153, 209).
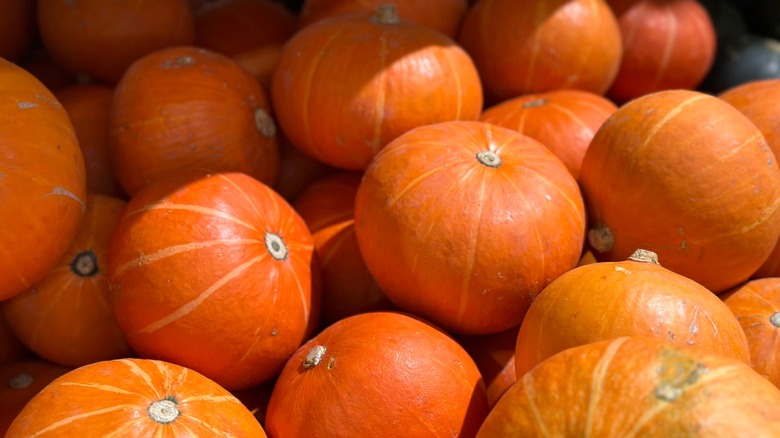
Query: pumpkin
point(756, 304)
point(256, 399)
point(637, 386)
point(378, 374)
point(190, 107)
point(101, 39)
point(42, 180)
point(344, 88)
point(17, 28)
point(66, 317)
point(534, 46)
point(232, 27)
point(261, 62)
point(687, 176)
point(134, 397)
point(327, 206)
point(494, 355)
point(88, 106)
point(213, 272)
point(43, 67)
point(563, 120)
point(20, 381)
point(297, 171)
point(464, 222)
point(635, 297)
point(667, 44)
point(442, 15)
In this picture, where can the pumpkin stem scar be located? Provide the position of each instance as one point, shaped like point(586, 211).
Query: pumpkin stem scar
point(276, 246)
point(85, 264)
point(164, 411)
point(489, 158)
point(775, 319)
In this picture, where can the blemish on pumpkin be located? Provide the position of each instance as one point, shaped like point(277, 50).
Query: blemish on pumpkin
point(676, 373)
point(622, 269)
point(26, 105)
point(775, 319)
point(535, 103)
point(273, 332)
point(61, 191)
point(331, 362)
point(20, 381)
point(265, 123)
point(179, 61)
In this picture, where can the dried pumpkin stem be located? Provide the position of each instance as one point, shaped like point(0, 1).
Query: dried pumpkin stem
point(164, 411)
point(775, 319)
point(314, 356)
point(644, 256)
point(265, 123)
point(85, 264)
point(600, 238)
point(386, 13)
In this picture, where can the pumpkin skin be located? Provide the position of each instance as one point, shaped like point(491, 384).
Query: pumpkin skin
point(344, 88)
point(756, 304)
point(534, 46)
point(261, 62)
point(234, 260)
point(442, 15)
point(563, 120)
point(297, 171)
point(494, 355)
point(636, 386)
point(136, 397)
point(20, 381)
point(667, 44)
point(100, 39)
point(66, 318)
point(378, 366)
point(88, 107)
point(43, 181)
point(636, 297)
point(216, 116)
point(687, 176)
point(348, 288)
point(451, 238)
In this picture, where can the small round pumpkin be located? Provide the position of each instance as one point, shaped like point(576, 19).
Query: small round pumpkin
point(756, 304)
point(20, 381)
point(464, 222)
point(344, 88)
point(134, 397)
point(234, 261)
point(534, 46)
point(637, 386)
point(190, 107)
point(378, 374)
point(687, 176)
point(635, 297)
point(565, 121)
point(42, 181)
point(66, 318)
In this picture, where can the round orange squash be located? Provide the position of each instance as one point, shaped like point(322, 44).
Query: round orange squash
point(494, 355)
point(20, 381)
point(464, 222)
point(66, 318)
point(344, 88)
point(563, 120)
point(637, 387)
point(534, 46)
point(687, 176)
point(378, 374)
point(189, 107)
point(635, 297)
point(756, 304)
point(134, 398)
point(213, 272)
point(42, 181)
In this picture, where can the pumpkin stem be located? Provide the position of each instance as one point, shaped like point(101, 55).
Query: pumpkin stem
point(489, 158)
point(20, 381)
point(314, 356)
point(600, 238)
point(644, 256)
point(386, 13)
point(276, 246)
point(85, 264)
point(775, 319)
point(164, 411)
point(265, 123)
point(534, 103)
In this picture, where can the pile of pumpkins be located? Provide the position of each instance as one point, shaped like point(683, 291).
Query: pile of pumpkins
point(343, 218)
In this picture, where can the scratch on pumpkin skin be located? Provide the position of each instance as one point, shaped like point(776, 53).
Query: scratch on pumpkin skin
point(190, 306)
point(195, 209)
point(171, 251)
point(62, 191)
point(84, 415)
point(530, 395)
point(597, 383)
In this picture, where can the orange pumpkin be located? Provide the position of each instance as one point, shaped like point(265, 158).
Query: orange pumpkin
point(667, 44)
point(261, 62)
point(635, 297)
point(101, 39)
point(348, 288)
point(17, 28)
point(20, 381)
point(344, 88)
point(534, 46)
point(494, 355)
point(88, 106)
point(189, 107)
point(463, 223)
point(66, 317)
point(563, 120)
point(378, 374)
point(297, 171)
point(234, 262)
point(442, 15)
point(134, 397)
point(756, 304)
point(40, 64)
point(637, 387)
point(42, 181)
point(687, 176)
